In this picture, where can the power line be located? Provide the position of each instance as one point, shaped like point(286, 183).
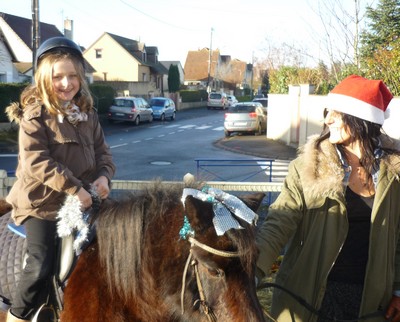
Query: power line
point(159, 20)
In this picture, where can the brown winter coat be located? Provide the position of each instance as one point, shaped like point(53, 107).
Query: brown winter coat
point(310, 217)
point(54, 159)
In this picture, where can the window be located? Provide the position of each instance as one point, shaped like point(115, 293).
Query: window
point(99, 53)
point(144, 77)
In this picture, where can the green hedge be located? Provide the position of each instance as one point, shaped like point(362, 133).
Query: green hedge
point(193, 96)
point(103, 96)
point(11, 92)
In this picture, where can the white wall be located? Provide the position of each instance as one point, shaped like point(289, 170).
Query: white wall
point(292, 118)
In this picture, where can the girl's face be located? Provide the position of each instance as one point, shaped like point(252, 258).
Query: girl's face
point(339, 132)
point(65, 80)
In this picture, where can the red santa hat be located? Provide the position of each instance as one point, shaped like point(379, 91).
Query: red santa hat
point(362, 98)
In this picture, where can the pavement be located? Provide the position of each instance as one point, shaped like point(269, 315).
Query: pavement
point(258, 146)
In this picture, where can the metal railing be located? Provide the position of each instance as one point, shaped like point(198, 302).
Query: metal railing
point(266, 187)
point(259, 165)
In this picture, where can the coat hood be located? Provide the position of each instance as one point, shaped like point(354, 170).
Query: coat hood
point(15, 112)
point(322, 173)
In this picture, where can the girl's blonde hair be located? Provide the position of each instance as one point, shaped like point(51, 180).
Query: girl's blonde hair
point(42, 92)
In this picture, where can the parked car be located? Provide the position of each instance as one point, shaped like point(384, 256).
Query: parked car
point(262, 100)
point(249, 117)
point(163, 108)
point(217, 100)
point(231, 100)
point(131, 109)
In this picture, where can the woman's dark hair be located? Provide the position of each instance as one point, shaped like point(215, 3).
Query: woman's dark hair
point(364, 131)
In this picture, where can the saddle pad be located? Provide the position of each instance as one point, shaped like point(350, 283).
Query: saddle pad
point(12, 251)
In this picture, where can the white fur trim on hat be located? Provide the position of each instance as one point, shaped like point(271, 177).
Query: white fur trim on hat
point(360, 109)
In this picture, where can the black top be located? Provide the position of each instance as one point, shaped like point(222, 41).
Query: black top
point(352, 261)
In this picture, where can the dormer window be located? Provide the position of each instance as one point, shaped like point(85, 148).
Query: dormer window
point(144, 56)
point(99, 53)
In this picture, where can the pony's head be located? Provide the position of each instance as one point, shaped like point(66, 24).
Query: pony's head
point(159, 275)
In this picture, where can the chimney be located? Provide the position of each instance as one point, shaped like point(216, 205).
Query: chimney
point(69, 29)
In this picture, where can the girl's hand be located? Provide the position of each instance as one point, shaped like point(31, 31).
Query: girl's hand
point(84, 197)
point(101, 186)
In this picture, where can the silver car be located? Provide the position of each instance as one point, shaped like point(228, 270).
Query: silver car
point(130, 109)
point(249, 117)
point(163, 108)
point(217, 100)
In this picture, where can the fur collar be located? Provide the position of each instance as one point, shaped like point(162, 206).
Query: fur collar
point(322, 172)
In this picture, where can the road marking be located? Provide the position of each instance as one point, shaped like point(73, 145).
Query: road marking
point(221, 128)
point(118, 145)
point(137, 141)
point(161, 135)
point(187, 126)
point(174, 125)
point(8, 155)
point(203, 127)
point(147, 139)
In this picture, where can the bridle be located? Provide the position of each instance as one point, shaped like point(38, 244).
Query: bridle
point(206, 309)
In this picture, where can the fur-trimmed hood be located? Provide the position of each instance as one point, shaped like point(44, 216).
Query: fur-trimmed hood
point(14, 112)
point(322, 172)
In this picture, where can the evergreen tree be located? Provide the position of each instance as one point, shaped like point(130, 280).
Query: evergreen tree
point(381, 44)
point(383, 27)
point(174, 81)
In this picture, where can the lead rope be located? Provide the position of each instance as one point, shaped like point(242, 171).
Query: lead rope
point(207, 310)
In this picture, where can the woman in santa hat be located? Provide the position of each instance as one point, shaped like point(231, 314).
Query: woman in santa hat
point(338, 216)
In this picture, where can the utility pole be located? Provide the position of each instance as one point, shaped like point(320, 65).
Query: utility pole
point(209, 63)
point(35, 32)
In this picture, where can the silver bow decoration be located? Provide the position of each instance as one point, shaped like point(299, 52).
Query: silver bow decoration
point(224, 205)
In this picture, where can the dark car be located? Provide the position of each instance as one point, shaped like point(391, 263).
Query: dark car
point(262, 100)
point(249, 117)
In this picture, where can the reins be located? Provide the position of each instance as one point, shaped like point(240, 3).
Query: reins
point(194, 263)
point(311, 309)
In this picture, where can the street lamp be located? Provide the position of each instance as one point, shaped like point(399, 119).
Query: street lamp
point(209, 62)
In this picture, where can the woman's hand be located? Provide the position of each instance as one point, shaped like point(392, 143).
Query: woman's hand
point(101, 186)
point(84, 197)
point(393, 311)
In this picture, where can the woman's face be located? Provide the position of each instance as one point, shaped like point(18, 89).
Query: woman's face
point(65, 80)
point(339, 132)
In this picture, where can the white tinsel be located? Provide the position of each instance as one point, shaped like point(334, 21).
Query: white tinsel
point(71, 219)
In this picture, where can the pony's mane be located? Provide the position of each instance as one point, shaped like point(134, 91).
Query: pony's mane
point(121, 225)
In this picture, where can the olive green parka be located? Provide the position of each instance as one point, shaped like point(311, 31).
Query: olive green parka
point(309, 219)
point(55, 158)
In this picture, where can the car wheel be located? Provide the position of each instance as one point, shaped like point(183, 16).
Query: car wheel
point(162, 118)
point(151, 118)
point(227, 134)
point(173, 117)
point(208, 108)
point(137, 120)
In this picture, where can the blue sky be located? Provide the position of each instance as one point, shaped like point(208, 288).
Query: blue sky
point(242, 29)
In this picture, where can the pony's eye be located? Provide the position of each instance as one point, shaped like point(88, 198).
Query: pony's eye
point(216, 272)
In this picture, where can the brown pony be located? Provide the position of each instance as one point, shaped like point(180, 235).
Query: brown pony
point(141, 269)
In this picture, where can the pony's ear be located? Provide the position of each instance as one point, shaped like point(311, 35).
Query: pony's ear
point(199, 213)
point(253, 201)
point(4, 207)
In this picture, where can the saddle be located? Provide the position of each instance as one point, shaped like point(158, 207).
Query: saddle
point(13, 256)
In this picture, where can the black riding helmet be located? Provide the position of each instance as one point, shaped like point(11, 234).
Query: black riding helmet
point(60, 44)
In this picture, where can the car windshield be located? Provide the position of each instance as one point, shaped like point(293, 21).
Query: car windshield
point(157, 102)
point(123, 103)
point(215, 96)
point(242, 109)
